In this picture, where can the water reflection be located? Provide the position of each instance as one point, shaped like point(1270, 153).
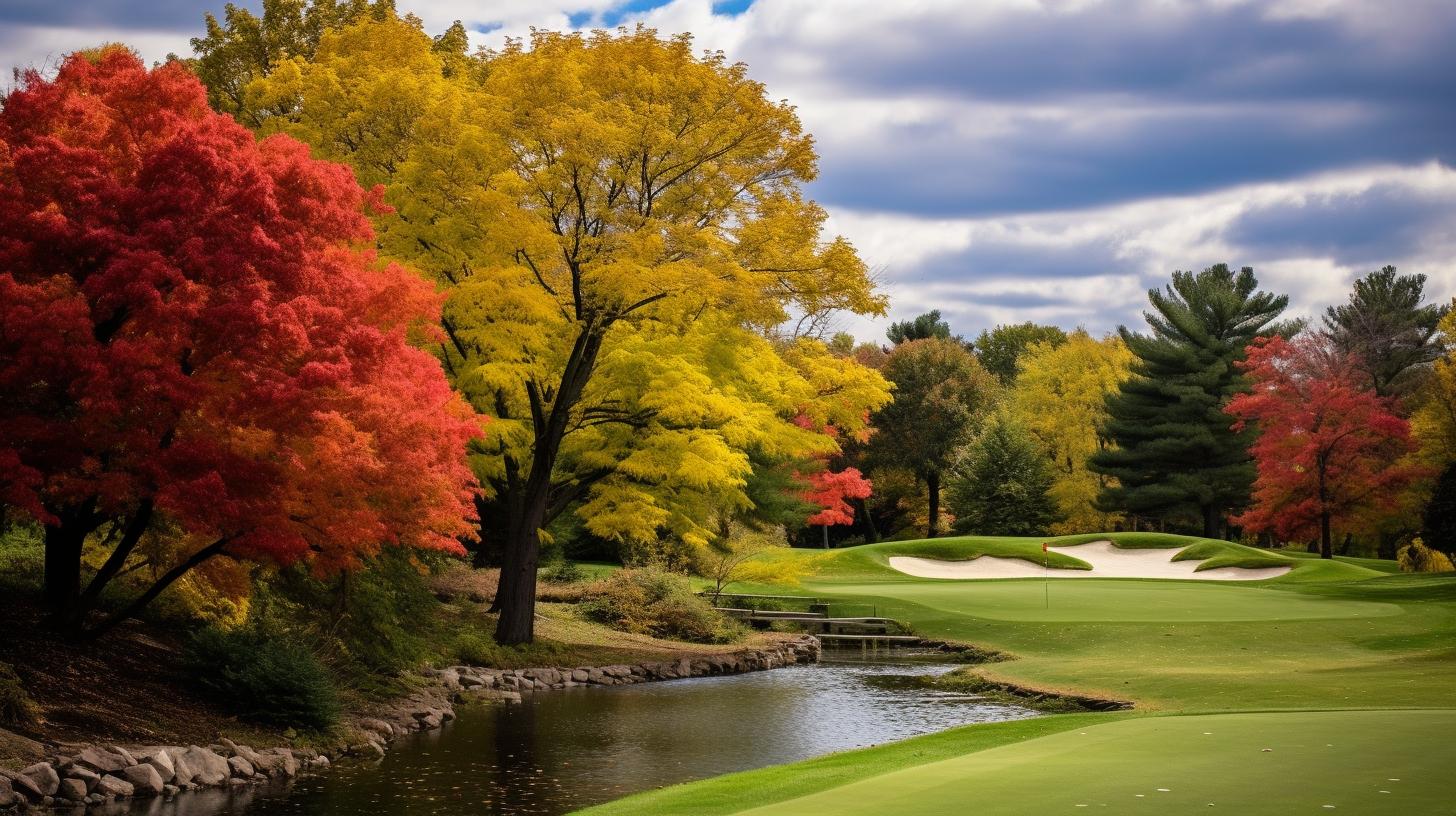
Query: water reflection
point(563, 750)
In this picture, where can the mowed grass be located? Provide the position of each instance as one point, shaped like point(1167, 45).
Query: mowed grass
point(1341, 668)
point(1350, 761)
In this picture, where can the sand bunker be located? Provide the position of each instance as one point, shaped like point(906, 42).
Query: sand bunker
point(1107, 562)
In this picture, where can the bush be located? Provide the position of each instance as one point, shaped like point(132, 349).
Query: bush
point(17, 710)
point(1417, 557)
point(661, 604)
point(263, 677)
point(564, 572)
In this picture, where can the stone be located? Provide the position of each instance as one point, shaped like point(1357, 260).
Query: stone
point(240, 767)
point(7, 793)
point(377, 726)
point(162, 761)
point(287, 762)
point(111, 787)
point(45, 778)
point(208, 768)
point(73, 790)
point(123, 753)
point(170, 790)
point(580, 675)
point(22, 785)
point(101, 760)
point(144, 779)
point(182, 773)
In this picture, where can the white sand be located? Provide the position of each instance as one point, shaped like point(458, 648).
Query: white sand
point(1107, 561)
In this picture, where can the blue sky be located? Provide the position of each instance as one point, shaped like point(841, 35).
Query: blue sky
point(1045, 159)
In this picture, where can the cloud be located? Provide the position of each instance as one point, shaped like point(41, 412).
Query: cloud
point(1049, 160)
point(1308, 237)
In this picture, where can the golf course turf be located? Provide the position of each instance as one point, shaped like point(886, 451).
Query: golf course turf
point(1340, 668)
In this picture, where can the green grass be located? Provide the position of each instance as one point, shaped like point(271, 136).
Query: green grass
point(1281, 663)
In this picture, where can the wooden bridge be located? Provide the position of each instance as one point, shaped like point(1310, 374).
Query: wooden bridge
point(869, 632)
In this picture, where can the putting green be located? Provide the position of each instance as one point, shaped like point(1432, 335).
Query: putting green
point(1109, 600)
point(1365, 762)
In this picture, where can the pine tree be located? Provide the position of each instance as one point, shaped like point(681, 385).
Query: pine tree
point(1175, 450)
point(1002, 486)
point(1388, 328)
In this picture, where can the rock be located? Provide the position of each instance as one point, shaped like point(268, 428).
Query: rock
point(144, 779)
point(160, 759)
point(7, 793)
point(170, 790)
point(288, 763)
point(72, 789)
point(240, 767)
point(22, 785)
point(102, 760)
point(580, 675)
point(123, 753)
point(183, 774)
point(471, 681)
point(377, 726)
point(111, 786)
point(208, 768)
point(45, 778)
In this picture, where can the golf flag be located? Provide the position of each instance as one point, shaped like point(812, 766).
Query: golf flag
point(1043, 546)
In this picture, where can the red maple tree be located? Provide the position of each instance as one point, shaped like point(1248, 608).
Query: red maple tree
point(196, 338)
point(830, 490)
point(1328, 446)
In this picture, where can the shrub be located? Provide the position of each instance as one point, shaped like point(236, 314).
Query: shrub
point(263, 677)
point(657, 603)
point(564, 572)
point(17, 710)
point(1417, 557)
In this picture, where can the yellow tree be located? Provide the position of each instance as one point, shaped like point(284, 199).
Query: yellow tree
point(1060, 397)
point(630, 263)
point(1434, 419)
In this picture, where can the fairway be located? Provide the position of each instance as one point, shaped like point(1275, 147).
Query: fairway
point(1109, 600)
point(1346, 761)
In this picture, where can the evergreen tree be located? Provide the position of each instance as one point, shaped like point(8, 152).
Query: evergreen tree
point(1388, 329)
point(1440, 518)
point(1176, 452)
point(1002, 485)
point(921, 328)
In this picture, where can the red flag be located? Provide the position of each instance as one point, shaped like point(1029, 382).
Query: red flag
point(1043, 546)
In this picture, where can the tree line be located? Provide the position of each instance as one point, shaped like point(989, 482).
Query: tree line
point(334, 288)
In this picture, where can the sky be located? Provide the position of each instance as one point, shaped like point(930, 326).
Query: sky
point(1046, 160)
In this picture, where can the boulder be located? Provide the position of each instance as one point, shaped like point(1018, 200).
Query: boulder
point(7, 793)
point(102, 760)
point(123, 753)
point(160, 759)
point(45, 778)
point(240, 767)
point(286, 763)
point(72, 789)
point(86, 775)
point(377, 726)
point(22, 785)
point(208, 768)
point(112, 786)
point(182, 772)
point(170, 790)
point(144, 779)
point(580, 675)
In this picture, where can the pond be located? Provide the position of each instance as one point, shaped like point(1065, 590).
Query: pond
point(558, 751)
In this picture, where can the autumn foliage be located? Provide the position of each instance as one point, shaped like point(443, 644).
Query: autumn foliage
point(831, 490)
point(1329, 448)
point(196, 341)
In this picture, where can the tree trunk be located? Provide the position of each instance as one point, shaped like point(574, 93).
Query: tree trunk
point(1326, 550)
point(872, 534)
point(63, 568)
point(516, 595)
point(1210, 521)
point(932, 484)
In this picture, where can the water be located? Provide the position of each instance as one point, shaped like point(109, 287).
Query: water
point(562, 750)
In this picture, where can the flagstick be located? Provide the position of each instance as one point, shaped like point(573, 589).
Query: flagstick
point(1046, 575)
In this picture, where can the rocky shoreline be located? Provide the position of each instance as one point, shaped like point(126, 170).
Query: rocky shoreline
point(87, 775)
